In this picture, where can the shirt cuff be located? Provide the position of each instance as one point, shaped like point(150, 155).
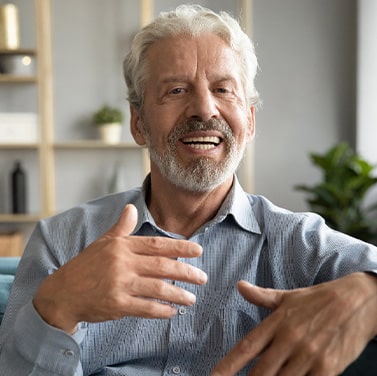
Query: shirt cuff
point(45, 346)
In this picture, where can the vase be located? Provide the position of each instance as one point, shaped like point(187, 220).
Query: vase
point(9, 27)
point(110, 133)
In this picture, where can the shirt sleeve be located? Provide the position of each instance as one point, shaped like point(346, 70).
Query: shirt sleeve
point(28, 345)
point(36, 348)
point(325, 254)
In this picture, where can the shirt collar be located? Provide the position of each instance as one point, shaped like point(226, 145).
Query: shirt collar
point(237, 205)
point(144, 215)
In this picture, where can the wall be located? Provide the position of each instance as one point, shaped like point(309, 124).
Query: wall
point(367, 80)
point(90, 40)
point(307, 55)
point(367, 84)
point(306, 51)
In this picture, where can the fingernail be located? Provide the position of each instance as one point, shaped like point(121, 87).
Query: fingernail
point(191, 297)
point(203, 277)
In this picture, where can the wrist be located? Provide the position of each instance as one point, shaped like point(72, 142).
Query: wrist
point(50, 308)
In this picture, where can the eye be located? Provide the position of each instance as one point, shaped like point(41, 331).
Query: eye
point(177, 90)
point(222, 90)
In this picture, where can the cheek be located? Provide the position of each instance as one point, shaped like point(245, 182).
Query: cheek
point(242, 127)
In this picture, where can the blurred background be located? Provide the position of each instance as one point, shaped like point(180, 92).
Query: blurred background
point(316, 81)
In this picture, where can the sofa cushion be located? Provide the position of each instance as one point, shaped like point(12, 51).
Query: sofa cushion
point(8, 267)
point(6, 281)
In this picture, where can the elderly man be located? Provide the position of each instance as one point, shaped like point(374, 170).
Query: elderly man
point(189, 274)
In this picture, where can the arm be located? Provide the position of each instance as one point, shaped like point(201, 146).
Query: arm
point(93, 287)
point(316, 330)
point(37, 349)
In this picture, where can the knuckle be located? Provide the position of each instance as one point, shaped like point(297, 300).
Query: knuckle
point(245, 346)
point(159, 264)
point(294, 335)
point(159, 288)
point(310, 348)
point(132, 286)
point(325, 365)
point(156, 242)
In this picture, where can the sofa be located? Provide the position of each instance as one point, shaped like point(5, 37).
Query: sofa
point(8, 267)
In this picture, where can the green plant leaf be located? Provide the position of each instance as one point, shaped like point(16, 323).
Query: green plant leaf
point(339, 197)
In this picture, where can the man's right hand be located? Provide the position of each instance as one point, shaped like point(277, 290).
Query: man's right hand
point(119, 275)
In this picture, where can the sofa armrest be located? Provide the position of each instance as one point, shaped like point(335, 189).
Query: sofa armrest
point(8, 267)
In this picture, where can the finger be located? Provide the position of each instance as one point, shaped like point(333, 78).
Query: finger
point(162, 267)
point(244, 352)
point(141, 307)
point(250, 347)
point(166, 247)
point(151, 309)
point(268, 298)
point(161, 290)
point(126, 222)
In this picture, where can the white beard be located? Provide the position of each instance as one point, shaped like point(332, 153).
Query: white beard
point(202, 174)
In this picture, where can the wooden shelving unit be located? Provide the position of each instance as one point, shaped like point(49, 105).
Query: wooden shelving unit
point(43, 81)
point(94, 144)
point(45, 153)
point(8, 78)
point(19, 218)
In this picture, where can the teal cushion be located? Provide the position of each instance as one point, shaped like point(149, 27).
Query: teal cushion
point(6, 281)
point(8, 267)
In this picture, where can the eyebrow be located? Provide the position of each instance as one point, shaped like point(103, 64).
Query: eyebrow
point(170, 79)
point(184, 78)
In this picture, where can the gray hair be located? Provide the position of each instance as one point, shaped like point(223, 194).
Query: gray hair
point(192, 20)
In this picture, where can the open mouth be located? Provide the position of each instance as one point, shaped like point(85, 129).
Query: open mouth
point(202, 143)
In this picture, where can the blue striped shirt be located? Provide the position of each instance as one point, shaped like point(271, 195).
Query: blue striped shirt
point(249, 239)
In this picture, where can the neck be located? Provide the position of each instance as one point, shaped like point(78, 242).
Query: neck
point(180, 211)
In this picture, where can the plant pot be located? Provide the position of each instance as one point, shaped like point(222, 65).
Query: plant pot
point(110, 133)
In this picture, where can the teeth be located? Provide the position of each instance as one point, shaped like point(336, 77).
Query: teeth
point(202, 146)
point(208, 139)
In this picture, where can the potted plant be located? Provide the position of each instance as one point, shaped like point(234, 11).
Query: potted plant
point(109, 121)
point(339, 197)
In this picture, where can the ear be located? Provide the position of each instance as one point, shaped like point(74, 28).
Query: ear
point(136, 124)
point(251, 125)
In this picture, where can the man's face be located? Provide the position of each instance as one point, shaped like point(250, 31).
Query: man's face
point(195, 119)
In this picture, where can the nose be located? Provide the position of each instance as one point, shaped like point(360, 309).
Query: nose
point(202, 105)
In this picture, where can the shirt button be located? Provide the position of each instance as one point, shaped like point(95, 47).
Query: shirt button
point(176, 370)
point(68, 353)
point(182, 310)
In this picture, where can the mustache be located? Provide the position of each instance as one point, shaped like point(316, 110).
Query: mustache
point(192, 125)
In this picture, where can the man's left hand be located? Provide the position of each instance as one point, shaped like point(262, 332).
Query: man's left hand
point(318, 330)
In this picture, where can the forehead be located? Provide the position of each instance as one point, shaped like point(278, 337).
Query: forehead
point(187, 55)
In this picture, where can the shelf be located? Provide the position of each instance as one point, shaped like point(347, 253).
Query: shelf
point(18, 51)
point(21, 78)
point(23, 146)
point(94, 144)
point(9, 78)
point(19, 218)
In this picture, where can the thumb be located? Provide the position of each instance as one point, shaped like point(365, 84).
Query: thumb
point(264, 297)
point(126, 222)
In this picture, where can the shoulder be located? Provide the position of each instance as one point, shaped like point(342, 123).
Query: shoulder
point(274, 218)
point(79, 226)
